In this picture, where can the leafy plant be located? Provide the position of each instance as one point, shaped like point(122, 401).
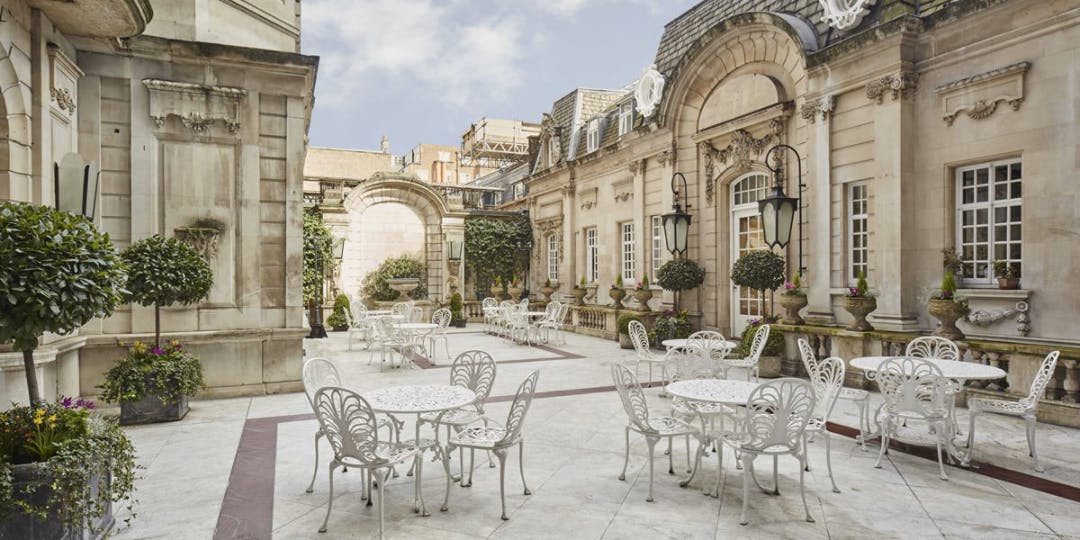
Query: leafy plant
point(377, 283)
point(760, 270)
point(82, 462)
point(338, 318)
point(317, 248)
point(58, 273)
point(167, 373)
point(498, 281)
point(515, 282)
point(643, 284)
point(547, 283)
point(162, 272)
point(1006, 270)
point(457, 317)
point(951, 261)
point(623, 322)
point(497, 247)
point(861, 288)
point(794, 287)
point(582, 282)
point(618, 282)
point(671, 325)
point(774, 346)
point(680, 275)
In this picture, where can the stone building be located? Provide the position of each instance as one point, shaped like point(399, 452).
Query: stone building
point(921, 126)
point(196, 113)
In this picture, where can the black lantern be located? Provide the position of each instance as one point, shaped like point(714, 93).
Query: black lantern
point(453, 251)
point(778, 210)
point(676, 223)
point(338, 248)
point(75, 186)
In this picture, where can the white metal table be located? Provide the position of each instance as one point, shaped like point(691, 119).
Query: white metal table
point(679, 343)
point(419, 399)
point(721, 391)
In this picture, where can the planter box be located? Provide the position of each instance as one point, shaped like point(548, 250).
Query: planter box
point(22, 526)
point(150, 409)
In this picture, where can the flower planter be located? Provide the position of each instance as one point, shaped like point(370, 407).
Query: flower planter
point(769, 367)
point(579, 296)
point(947, 312)
point(515, 292)
point(643, 296)
point(617, 295)
point(20, 525)
point(1008, 284)
point(547, 291)
point(150, 410)
point(793, 303)
point(404, 287)
point(625, 342)
point(859, 307)
point(497, 292)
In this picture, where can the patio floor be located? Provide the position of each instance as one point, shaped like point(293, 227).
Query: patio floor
point(238, 468)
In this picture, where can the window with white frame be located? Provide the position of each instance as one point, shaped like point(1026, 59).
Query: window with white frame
point(988, 218)
point(657, 244)
point(592, 252)
point(592, 135)
point(519, 190)
point(626, 118)
point(858, 235)
point(627, 237)
point(553, 257)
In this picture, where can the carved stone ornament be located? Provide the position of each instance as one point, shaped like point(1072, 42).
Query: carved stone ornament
point(648, 91)
point(588, 205)
point(624, 196)
point(822, 107)
point(663, 157)
point(899, 85)
point(707, 155)
point(63, 99)
point(844, 14)
point(635, 166)
point(197, 106)
point(203, 235)
point(744, 147)
point(982, 317)
point(980, 95)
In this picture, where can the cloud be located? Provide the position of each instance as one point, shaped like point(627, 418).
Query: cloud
point(445, 48)
point(567, 8)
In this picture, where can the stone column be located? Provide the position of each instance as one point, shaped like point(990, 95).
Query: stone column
point(454, 229)
point(818, 271)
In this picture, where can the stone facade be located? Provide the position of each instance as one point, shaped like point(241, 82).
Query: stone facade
point(893, 118)
point(188, 127)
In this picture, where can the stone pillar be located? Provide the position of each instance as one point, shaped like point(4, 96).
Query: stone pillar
point(573, 263)
point(454, 229)
point(641, 226)
point(818, 271)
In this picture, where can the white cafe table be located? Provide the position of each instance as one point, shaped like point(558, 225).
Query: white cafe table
point(536, 314)
point(416, 326)
point(419, 399)
point(722, 391)
point(679, 343)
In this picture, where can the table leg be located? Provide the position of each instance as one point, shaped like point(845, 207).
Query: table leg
point(703, 439)
point(418, 465)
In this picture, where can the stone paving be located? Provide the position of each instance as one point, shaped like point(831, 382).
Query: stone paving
point(240, 467)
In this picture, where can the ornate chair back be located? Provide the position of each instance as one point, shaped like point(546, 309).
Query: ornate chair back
point(633, 399)
point(515, 419)
point(401, 308)
point(489, 302)
point(523, 305)
point(640, 338)
point(441, 317)
point(828, 380)
point(349, 424)
point(564, 310)
point(776, 415)
point(552, 310)
point(692, 363)
point(474, 370)
point(911, 385)
point(359, 310)
point(809, 359)
point(387, 328)
point(713, 343)
point(416, 314)
point(1042, 378)
point(932, 347)
point(761, 337)
point(318, 373)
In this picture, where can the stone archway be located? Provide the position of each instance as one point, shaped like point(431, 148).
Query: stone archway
point(14, 136)
point(437, 219)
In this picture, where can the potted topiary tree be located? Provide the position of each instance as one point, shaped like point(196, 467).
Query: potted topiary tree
point(339, 319)
point(153, 384)
point(623, 326)
point(860, 302)
point(679, 275)
point(61, 466)
point(642, 293)
point(457, 316)
point(792, 300)
point(617, 292)
point(760, 270)
point(579, 293)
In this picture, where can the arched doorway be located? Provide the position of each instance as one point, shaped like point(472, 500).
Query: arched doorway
point(746, 236)
point(377, 233)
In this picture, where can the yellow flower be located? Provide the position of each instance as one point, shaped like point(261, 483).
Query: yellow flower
point(52, 419)
point(38, 420)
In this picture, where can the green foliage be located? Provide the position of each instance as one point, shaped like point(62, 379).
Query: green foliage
point(74, 450)
point(1006, 270)
point(794, 287)
point(951, 261)
point(167, 373)
point(623, 322)
point(376, 284)
point(644, 283)
point(498, 281)
point(317, 243)
point(680, 275)
point(59, 272)
point(582, 282)
point(165, 271)
point(457, 317)
point(774, 346)
point(618, 281)
point(497, 247)
point(862, 289)
point(671, 325)
point(761, 270)
point(337, 319)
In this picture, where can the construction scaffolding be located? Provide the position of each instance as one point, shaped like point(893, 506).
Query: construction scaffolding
point(497, 143)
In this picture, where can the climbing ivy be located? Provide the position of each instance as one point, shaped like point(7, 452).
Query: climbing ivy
point(497, 247)
point(316, 238)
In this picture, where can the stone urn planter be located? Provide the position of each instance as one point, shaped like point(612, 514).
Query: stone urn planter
point(21, 525)
point(643, 296)
point(793, 303)
point(947, 311)
point(497, 292)
point(404, 287)
point(617, 295)
point(579, 294)
point(548, 290)
point(769, 367)
point(515, 291)
point(859, 307)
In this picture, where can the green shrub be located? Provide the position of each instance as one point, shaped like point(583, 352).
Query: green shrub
point(623, 322)
point(167, 373)
point(497, 247)
point(761, 270)
point(377, 286)
point(337, 319)
point(774, 346)
point(58, 273)
point(680, 275)
point(165, 271)
point(457, 316)
point(670, 325)
point(317, 243)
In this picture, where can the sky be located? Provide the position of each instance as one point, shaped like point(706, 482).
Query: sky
point(422, 71)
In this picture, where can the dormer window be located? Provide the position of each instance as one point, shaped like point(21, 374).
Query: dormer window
point(592, 140)
point(626, 118)
point(553, 150)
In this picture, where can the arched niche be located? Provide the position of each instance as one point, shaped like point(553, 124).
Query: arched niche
point(738, 96)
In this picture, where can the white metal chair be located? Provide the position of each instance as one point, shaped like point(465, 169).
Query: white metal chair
point(416, 314)
point(713, 343)
point(827, 380)
point(488, 306)
point(750, 362)
point(390, 338)
point(317, 373)
point(352, 430)
point(496, 440)
point(441, 317)
point(474, 370)
point(932, 347)
point(502, 317)
point(557, 323)
point(914, 392)
point(693, 362)
point(860, 397)
point(1024, 408)
point(402, 310)
point(517, 325)
point(640, 421)
point(359, 325)
point(773, 424)
point(644, 355)
point(545, 325)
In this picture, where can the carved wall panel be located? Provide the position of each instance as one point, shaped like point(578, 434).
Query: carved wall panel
point(980, 95)
point(197, 106)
